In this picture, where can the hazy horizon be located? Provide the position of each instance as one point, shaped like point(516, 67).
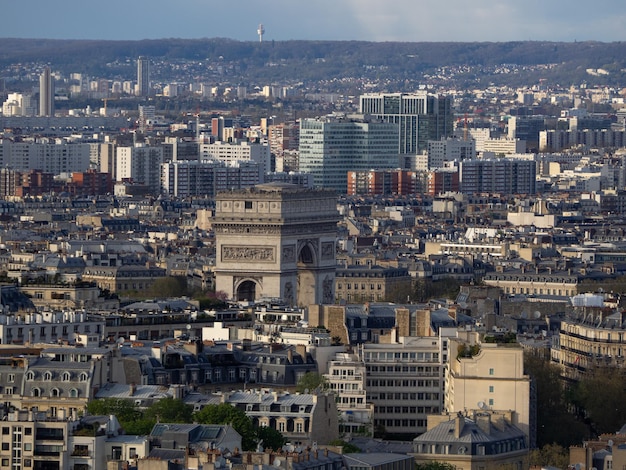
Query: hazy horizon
point(323, 20)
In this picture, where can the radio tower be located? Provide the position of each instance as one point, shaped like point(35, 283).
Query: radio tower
point(260, 32)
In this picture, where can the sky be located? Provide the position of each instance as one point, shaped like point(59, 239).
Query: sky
point(362, 20)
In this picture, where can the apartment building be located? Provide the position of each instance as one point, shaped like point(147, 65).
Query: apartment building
point(346, 379)
point(492, 379)
point(405, 382)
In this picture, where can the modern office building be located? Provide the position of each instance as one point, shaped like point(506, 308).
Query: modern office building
point(46, 93)
point(501, 176)
point(420, 117)
point(143, 76)
point(330, 147)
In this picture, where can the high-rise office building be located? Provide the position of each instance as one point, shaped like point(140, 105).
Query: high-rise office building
point(420, 116)
point(143, 76)
point(330, 147)
point(46, 93)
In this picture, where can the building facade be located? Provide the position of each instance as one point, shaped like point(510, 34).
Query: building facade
point(331, 147)
point(419, 116)
point(502, 176)
point(276, 240)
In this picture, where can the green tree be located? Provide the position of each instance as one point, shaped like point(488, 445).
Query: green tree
point(555, 422)
point(435, 465)
point(228, 414)
point(169, 410)
point(310, 381)
point(270, 438)
point(170, 286)
point(552, 455)
point(600, 395)
point(124, 410)
point(346, 447)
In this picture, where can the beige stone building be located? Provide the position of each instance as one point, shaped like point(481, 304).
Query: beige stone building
point(493, 380)
point(276, 240)
point(370, 283)
point(590, 340)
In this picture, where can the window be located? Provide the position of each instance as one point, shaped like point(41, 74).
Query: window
point(490, 388)
point(5, 430)
point(5, 446)
point(248, 204)
point(491, 371)
point(491, 402)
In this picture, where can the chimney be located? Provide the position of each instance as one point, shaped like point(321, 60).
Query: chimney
point(452, 312)
point(132, 389)
point(483, 421)
point(459, 422)
point(290, 356)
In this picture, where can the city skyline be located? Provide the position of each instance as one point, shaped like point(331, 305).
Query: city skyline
point(363, 20)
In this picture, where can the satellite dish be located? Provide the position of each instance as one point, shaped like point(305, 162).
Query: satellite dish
point(610, 443)
point(188, 327)
point(277, 462)
point(537, 314)
point(481, 405)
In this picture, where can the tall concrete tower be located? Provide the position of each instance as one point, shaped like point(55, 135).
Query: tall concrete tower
point(143, 76)
point(46, 93)
point(260, 31)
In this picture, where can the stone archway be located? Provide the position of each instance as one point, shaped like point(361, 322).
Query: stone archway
point(246, 290)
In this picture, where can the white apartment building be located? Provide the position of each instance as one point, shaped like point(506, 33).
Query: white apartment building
point(448, 150)
point(238, 151)
point(48, 327)
point(140, 164)
point(346, 379)
point(54, 156)
point(405, 382)
point(19, 104)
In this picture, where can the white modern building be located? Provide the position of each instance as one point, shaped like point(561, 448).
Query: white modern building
point(346, 379)
point(140, 164)
point(238, 151)
point(48, 155)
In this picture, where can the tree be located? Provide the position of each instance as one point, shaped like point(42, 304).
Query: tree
point(228, 414)
point(555, 423)
point(169, 410)
point(124, 410)
point(310, 381)
point(270, 438)
point(435, 465)
point(346, 447)
point(600, 395)
point(552, 455)
point(170, 286)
